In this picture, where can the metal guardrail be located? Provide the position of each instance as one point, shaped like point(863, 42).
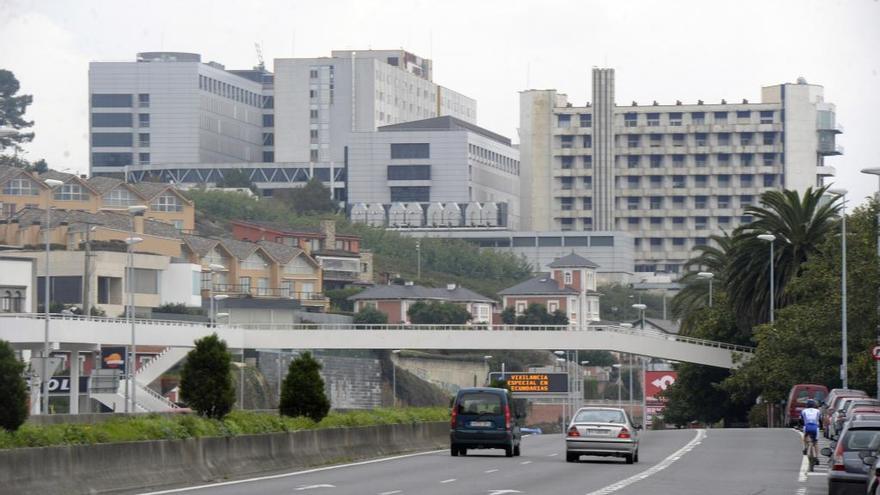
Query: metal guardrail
point(654, 334)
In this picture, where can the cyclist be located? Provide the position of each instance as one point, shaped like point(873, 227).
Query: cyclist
point(811, 417)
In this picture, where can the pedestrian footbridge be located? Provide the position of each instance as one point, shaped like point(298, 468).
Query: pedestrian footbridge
point(27, 331)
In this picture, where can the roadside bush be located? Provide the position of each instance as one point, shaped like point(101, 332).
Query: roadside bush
point(370, 316)
point(206, 378)
point(13, 390)
point(302, 393)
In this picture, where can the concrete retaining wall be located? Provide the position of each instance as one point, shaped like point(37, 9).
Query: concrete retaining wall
point(136, 466)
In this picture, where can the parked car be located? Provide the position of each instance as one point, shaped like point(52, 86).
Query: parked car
point(485, 418)
point(851, 457)
point(602, 431)
point(874, 479)
point(798, 397)
point(832, 402)
point(840, 416)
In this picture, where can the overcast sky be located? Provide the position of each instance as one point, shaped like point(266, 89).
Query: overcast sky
point(662, 50)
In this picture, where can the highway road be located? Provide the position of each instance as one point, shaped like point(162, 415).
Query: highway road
point(680, 462)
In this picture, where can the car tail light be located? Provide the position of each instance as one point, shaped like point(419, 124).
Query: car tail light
point(573, 432)
point(624, 433)
point(507, 416)
point(837, 458)
point(454, 417)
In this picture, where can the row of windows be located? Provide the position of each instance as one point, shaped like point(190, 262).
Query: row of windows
point(659, 268)
point(652, 119)
point(410, 150)
point(660, 243)
point(700, 160)
point(118, 159)
point(549, 241)
point(118, 100)
point(409, 172)
point(411, 194)
point(683, 181)
point(494, 159)
point(119, 120)
point(683, 202)
point(119, 139)
point(698, 139)
point(699, 223)
point(227, 90)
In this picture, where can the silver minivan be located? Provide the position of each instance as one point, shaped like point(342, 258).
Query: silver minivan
point(602, 431)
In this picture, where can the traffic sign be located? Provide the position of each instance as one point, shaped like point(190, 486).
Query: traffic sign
point(875, 352)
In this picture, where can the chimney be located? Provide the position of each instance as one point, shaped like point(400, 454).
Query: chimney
point(328, 228)
point(560, 279)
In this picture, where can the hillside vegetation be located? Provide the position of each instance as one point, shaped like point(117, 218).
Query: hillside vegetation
point(443, 261)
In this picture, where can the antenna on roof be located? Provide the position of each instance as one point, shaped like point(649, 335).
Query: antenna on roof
point(261, 64)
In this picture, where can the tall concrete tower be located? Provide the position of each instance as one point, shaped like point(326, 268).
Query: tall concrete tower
point(603, 149)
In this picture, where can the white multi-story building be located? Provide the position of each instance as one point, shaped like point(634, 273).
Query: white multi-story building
point(670, 175)
point(436, 166)
point(170, 108)
point(320, 102)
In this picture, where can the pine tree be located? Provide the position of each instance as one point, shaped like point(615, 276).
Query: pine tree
point(206, 378)
point(13, 407)
point(302, 393)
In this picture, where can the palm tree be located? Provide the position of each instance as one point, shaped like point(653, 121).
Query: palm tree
point(800, 225)
point(713, 257)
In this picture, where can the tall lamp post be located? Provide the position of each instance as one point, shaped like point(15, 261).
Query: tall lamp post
point(707, 276)
point(771, 238)
point(562, 361)
point(131, 400)
point(394, 378)
point(876, 171)
point(486, 359)
point(52, 184)
point(617, 366)
point(844, 352)
point(641, 308)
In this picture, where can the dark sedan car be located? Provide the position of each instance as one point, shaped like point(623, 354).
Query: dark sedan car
point(850, 456)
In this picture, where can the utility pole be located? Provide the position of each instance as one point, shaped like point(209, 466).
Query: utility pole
point(87, 272)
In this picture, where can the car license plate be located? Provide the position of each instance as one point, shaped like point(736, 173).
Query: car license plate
point(592, 431)
point(481, 424)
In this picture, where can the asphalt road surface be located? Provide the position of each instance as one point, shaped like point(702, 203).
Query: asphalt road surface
point(675, 462)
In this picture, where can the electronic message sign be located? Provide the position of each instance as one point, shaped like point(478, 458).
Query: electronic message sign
point(534, 383)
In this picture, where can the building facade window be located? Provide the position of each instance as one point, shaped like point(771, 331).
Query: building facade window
point(21, 187)
point(111, 101)
point(410, 150)
point(111, 139)
point(409, 172)
point(144, 100)
point(70, 192)
point(111, 120)
point(418, 194)
point(166, 202)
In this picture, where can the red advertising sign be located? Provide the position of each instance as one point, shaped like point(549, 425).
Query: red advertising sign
point(656, 382)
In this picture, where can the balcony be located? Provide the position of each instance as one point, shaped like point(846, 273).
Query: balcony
point(340, 275)
point(238, 290)
point(830, 127)
point(827, 149)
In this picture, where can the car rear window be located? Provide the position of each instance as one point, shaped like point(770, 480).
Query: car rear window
point(600, 416)
point(862, 440)
point(806, 394)
point(479, 403)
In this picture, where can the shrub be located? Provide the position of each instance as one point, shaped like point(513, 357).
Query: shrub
point(206, 378)
point(302, 393)
point(370, 316)
point(13, 406)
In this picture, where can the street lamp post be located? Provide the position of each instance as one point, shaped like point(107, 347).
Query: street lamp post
point(394, 379)
point(707, 276)
point(562, 360)
point(52, 184)
point(876, 171)
point(486, 359)
point(131, 401)
point(844, 352)
point(770, 238)
point(617, 365)
point(419, 259)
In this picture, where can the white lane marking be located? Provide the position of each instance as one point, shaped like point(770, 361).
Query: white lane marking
point(450, 480)
point(817, 474)
point(554, 454)
point(802, 474)
point(296, 473)
point(502, 492)
point(312, 487)
point(660, 466)
point(489, 471)
point(391, 493)
point(523, 463)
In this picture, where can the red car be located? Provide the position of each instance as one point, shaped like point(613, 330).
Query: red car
point(798, 397)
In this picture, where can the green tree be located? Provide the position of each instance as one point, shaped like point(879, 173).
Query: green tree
point(508, 315)
point(713, 258)
point(536, 314)
point(313, 197)
point(369, 315)
point(236, 178)
point(800, 224)
point(302, 393)
point(13, 407)
point(339, 298)
point(206, 378)
point(12, 110)
point(438, 313)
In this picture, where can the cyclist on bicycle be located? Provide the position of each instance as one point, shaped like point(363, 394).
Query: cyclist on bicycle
point(811, 417)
